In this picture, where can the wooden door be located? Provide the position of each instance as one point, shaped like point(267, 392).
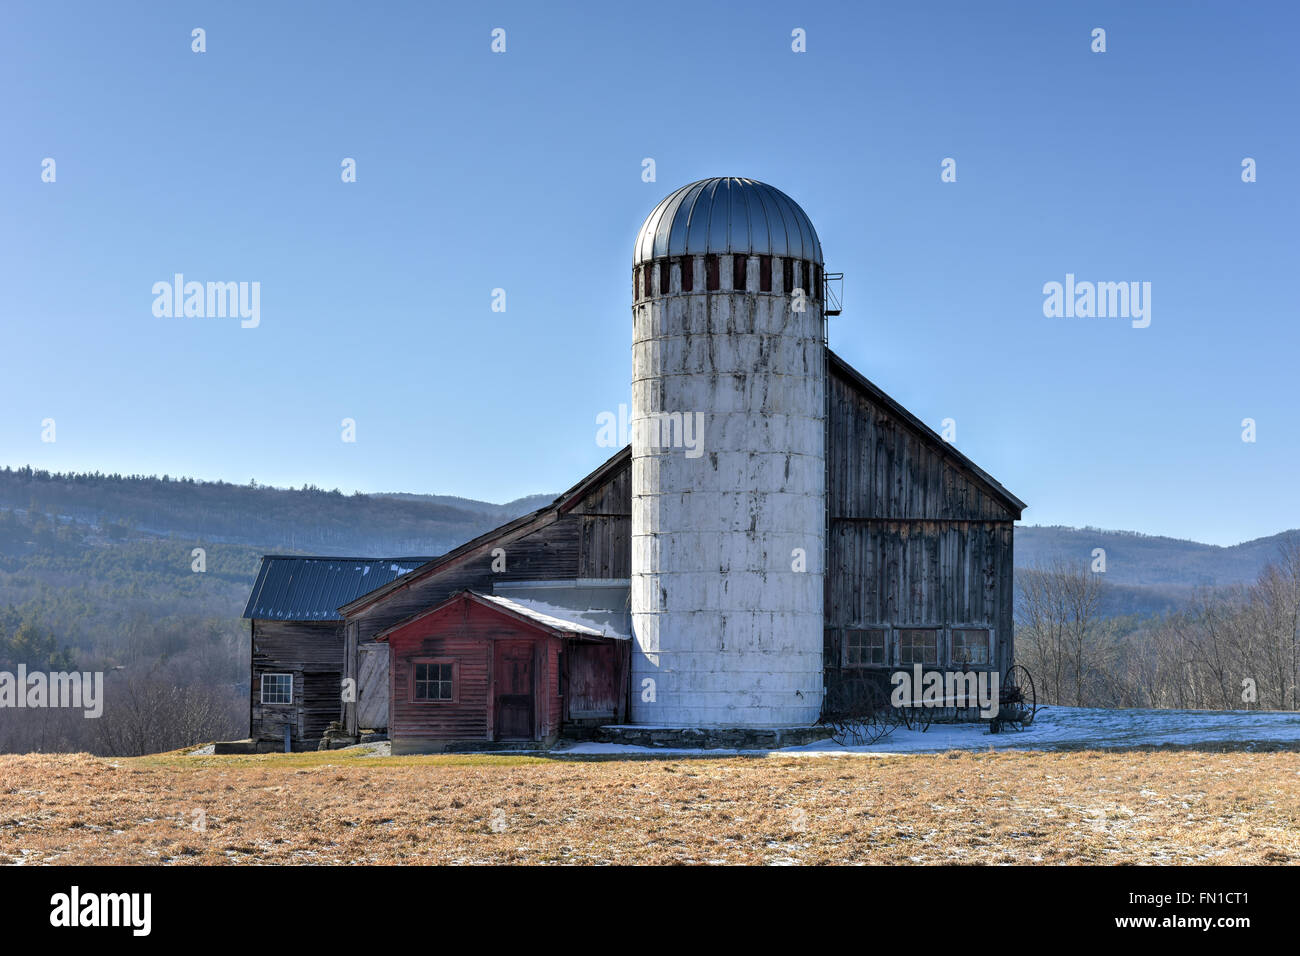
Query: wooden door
point(514, 681)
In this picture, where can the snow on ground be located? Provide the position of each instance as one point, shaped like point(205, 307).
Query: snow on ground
point(1054, 728)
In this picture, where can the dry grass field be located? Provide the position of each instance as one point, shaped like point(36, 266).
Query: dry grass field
point(1076, 807)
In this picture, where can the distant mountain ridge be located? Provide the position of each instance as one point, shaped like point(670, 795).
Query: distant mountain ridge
point(1145, 574)
point(1145, 560)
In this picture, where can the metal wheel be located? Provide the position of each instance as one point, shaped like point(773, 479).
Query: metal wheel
point(1017, 700)
point(916, 717)
point(857, 712)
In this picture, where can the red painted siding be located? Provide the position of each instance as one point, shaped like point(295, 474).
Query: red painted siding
point(467, 633)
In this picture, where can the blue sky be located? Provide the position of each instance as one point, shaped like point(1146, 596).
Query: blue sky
point(522, 171)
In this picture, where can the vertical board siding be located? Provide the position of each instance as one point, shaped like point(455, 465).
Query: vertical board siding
point(592, 680)
point(914, 538)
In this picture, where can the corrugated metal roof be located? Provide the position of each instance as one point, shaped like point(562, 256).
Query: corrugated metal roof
point(727, 214)
point(303, 588)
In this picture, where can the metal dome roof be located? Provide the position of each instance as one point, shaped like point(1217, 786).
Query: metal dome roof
point(725, 215)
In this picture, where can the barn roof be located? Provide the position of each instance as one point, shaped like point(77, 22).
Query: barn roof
point(515, 609)
point(955, 458)
point(307, 588)
point(527, 522)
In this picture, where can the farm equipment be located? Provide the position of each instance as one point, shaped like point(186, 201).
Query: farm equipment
point(1017, 701)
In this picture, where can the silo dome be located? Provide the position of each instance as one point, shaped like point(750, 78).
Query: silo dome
point(724, 215)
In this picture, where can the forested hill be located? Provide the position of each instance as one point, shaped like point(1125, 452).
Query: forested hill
point(306, 519)
point(98, 570)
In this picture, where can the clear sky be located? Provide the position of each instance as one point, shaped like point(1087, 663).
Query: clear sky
point(522, 171)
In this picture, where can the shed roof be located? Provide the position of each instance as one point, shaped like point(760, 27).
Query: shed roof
point(509, 608)
point(312, 588)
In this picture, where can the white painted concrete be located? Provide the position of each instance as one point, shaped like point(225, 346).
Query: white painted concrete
point(727, 631)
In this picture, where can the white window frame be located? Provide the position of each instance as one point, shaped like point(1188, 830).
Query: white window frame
point(277, 703)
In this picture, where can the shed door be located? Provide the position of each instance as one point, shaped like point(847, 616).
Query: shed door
point(514, 681)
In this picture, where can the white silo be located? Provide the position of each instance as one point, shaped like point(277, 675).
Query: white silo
point(728, 524)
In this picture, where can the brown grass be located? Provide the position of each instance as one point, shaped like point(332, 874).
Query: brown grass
point(1081, 807)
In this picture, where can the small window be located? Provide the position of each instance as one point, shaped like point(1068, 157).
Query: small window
point(739, 265)
point(711, 273)
point(647, 272)
point(688, 273)
point(787, 276)
point(277, 688)
point(918, 646)
point(636, 283)
point(764, 273)
point(865, 647)
point(971, 646)
point(434, 681)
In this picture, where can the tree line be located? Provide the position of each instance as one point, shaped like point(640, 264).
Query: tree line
point(1228, 649)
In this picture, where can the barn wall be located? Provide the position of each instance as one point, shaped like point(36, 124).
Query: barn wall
point(466, 632)
point(914, 538)
point(313, 653)
point(465, 719)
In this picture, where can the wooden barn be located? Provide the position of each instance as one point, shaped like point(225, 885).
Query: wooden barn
point(562, 567)
point(297, 642)
point(480, 669)
point(523, 635)
point(919, 564)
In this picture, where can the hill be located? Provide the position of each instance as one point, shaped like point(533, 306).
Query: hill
point(102, 562)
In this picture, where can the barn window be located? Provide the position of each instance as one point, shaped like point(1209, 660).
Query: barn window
point(711, 273)
point(764, 273)
point(647, 271)
point(917, 646)
point(433, 681)
point(688, 274)
point(971, 646)
point(865, 647)
point(738, 266)
point(787, 276)
point(277, 688)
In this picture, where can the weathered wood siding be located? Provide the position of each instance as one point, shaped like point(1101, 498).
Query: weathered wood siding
point(313, 653)
point(372, 686)
point(591, 539)
point(914, 539)
point(592, 681)
point(466, 633)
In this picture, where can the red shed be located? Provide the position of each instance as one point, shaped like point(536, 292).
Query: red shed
point(481, 669)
